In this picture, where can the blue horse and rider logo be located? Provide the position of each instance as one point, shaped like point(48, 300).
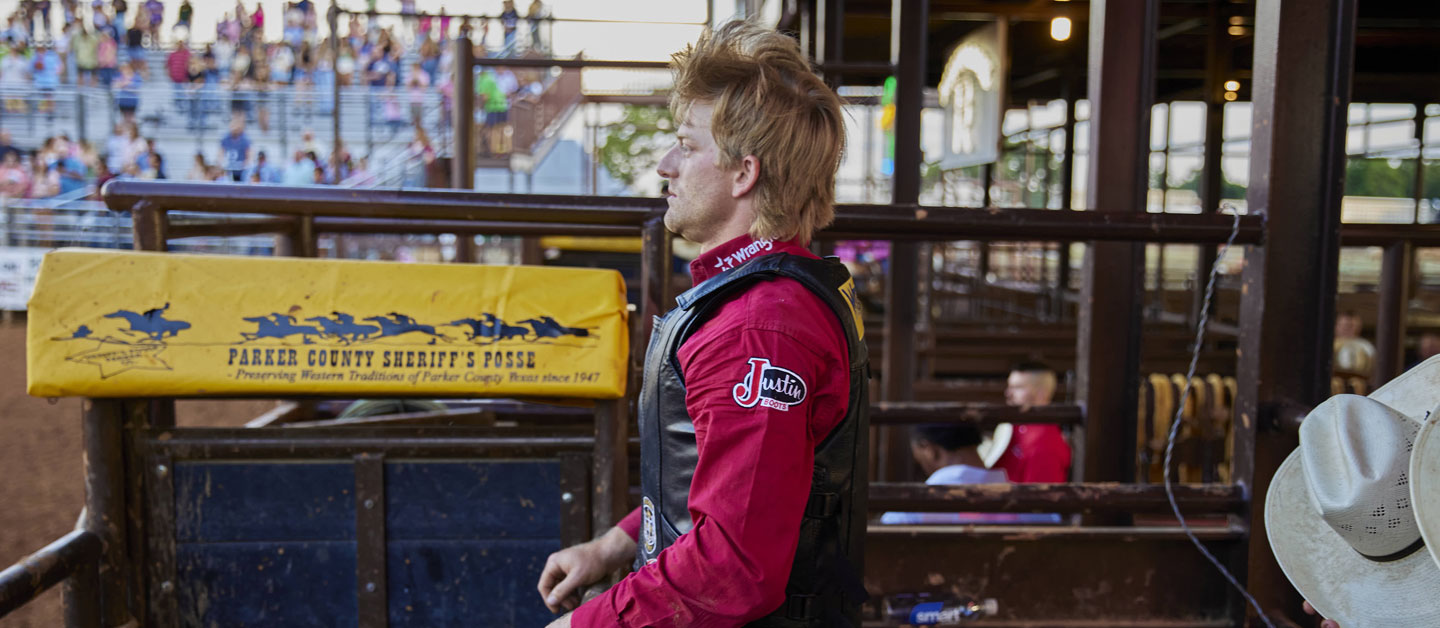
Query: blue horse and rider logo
point(152, 327)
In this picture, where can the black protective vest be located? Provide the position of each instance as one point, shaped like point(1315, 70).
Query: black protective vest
point(825, 588)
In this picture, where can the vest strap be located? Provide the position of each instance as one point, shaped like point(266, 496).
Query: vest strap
point(802, 607)
point(822, 505)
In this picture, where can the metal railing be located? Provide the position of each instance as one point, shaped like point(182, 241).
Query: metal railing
point(74, 559)
point(73, 220)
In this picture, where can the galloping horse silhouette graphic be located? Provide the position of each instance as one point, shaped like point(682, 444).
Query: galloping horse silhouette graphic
point(397, 324)
point(278, 326)
point(500, 330)
point(344, 324)
point(546, 327)
point(478, 329)
point(151, 323)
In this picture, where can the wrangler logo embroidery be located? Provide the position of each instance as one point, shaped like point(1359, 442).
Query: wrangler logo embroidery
point(735, 259)
point(769, 386)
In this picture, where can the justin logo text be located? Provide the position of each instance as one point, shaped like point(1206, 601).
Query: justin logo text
point(769, 386)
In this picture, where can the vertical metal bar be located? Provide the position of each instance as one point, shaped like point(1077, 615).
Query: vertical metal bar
point(611, 474)
point(909, 30)
point(830, 45)
point(655, 268)
point(1122, 72)
point(1394, 299)
point(464, 248)
point(304, 241)
point(370, 540)
point(462, 158)
point(82, 595)
point(333, 17)
point(150, 228)
point(1217, 64)
point(1067, 194)
point(1304, 55)
point(1418, 192)
point(158, 569)
point(574, 499)
point(105, 500)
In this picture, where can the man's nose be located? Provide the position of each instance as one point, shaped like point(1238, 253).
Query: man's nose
point(666, 168)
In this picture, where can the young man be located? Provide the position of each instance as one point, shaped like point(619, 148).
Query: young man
point(752, 413)
point(950, 454)
point(1037, 452)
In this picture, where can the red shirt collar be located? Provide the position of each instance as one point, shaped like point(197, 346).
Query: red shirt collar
point(737, 252)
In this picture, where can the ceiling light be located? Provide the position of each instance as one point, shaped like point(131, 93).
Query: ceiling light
point(1232, 86)
point(1236, 30)
point(1060, 28)
point(1230, 96)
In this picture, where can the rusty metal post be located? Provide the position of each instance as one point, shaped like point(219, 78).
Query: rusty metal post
point(611, 460)
point(150, 227)
point(1217, 63)
point(830, 45)
point(370, 507)
point(105, 515)
point(1394, 301)
point(1067, 193)
point(910, 25)
point(304, 242)
point(1304, 55)
point(462, 159)
point(82, 595)
point(1122, 73)
point(655, 269)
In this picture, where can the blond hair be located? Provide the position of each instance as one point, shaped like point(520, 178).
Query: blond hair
point(769, 103)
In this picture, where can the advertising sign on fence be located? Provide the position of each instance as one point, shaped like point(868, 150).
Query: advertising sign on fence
point(128, 324)
point(18, 267)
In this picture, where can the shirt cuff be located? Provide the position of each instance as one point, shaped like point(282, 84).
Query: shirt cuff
point(631, 524)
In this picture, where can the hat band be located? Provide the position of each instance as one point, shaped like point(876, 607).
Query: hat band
point(1414, 547)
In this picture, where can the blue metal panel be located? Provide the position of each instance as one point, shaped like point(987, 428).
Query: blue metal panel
point(435, 584)
point(220, 585)
point(264, 501)
point(473, 500)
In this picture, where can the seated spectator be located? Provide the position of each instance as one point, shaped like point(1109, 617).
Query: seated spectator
point(262, 171)
point(199, 171)
point(1037, 452)
point(154, 167)
point(1354, 355)
point(14, 181)
point(300, 171)
point(948, 453)
point(15, 76)
point(47, 70)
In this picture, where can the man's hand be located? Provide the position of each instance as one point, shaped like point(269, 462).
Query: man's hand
point(1309, 610)
point(572, 568)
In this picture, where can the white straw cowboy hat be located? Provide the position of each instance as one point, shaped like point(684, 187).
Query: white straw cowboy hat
point(994, 444)
point(1342, 510)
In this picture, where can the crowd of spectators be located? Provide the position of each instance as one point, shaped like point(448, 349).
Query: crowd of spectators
point(104, 43)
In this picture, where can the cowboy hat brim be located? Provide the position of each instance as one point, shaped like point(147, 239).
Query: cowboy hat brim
point(1424, 489)
point(994, 445)
point(1340, 583)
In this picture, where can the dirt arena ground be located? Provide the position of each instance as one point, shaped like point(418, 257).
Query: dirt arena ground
point(41, 480)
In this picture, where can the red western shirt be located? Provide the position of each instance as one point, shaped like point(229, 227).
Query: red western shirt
point(1037, 453)
point(752, 478)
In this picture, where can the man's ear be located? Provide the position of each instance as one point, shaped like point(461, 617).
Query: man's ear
point(746, 177)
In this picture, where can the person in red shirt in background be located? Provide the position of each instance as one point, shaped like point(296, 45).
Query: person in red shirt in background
point(752, 413)
point(1037, 452)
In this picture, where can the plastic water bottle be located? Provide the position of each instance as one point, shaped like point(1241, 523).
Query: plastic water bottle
point(927, 610)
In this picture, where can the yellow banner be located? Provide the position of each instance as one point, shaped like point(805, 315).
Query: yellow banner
point(131, 324)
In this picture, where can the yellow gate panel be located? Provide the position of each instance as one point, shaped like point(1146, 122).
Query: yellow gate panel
point(135, 324)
